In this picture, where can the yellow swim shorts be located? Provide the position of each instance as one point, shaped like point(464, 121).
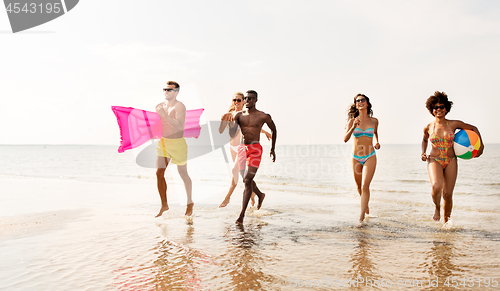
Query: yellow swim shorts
point(174, 149)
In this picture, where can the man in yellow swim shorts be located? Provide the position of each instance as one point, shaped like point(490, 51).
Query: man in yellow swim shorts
point(172, 146)
point(174, 149)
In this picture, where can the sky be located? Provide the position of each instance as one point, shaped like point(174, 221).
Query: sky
point(306, 59)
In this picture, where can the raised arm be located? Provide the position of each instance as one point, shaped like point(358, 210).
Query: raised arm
point(272, 127)
point(225, 118)
point(460, 124)
point(351, 125)
point(233, 126)
point(425, 139)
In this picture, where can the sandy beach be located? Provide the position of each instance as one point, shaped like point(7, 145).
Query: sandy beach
point(104, 237)
point(82, 226)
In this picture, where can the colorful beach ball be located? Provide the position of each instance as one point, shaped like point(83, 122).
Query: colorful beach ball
point(466, 144)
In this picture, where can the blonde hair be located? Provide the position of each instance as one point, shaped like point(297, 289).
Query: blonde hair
point(232, 108)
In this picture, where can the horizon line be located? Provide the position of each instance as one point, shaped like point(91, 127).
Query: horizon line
point(319, 144)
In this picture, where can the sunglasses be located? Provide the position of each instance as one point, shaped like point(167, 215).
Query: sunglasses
point(361, 100)
point(236, 100)
point(248, 98)
point(438, 107)
point(168, 89)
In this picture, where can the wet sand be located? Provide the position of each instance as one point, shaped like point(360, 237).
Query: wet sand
point(62, 234)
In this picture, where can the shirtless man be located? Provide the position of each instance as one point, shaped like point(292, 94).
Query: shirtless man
point(251, 120)
point(172, 146)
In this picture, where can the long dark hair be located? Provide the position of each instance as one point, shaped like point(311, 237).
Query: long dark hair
point(353, 112)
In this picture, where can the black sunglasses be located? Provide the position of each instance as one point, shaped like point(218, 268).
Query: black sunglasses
point(236, 100)
point(438, 107)
point(360, 100)
point(168, 89)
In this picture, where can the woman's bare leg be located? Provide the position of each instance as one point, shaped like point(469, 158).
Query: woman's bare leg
point(234, 178)
point(436, 176)
point(450, 177)
point(367, 176)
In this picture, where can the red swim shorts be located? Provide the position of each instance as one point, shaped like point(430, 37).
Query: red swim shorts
point(249, 155)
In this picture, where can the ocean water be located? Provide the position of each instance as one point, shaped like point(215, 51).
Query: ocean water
point(82, 217)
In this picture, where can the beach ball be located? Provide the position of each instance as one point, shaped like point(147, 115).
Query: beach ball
point(466, 144)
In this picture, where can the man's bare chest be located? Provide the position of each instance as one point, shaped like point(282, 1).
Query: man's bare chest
point(251, 120)
point(171, 111)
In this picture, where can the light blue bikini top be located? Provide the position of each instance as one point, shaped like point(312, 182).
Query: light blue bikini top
point(369, 132)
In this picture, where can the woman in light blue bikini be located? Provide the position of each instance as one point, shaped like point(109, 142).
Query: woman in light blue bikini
point(364, 160)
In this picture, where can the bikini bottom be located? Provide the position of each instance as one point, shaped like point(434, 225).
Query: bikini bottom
point(362, 159)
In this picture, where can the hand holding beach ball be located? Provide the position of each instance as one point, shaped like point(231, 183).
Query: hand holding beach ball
point(466, 144)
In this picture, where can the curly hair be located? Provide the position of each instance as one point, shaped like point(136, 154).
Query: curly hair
point(438, 97)
point(353, 112)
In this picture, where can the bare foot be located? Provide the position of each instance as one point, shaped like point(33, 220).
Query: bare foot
point(360, 224)
point(437, 215)
point(239, 221)
point(224, 203)
point(162, 209)
point(367, 210)
point(260, 201)
point(252, 199)
point(189, 209)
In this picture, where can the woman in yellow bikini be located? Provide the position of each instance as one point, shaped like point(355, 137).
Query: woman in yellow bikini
point(442, 163)
point(364, 159)
point(234, 142)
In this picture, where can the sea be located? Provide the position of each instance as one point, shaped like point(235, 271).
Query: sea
point(82, 217)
